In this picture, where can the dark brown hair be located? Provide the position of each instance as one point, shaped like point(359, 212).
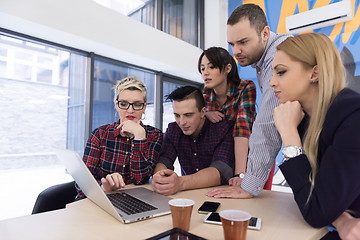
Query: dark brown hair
point(253, 13)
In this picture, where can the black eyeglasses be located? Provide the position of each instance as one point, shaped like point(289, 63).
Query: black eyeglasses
point(124, 105)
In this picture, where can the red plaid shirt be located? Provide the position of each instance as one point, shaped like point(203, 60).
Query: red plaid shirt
point(107, 152)
point(239, 106)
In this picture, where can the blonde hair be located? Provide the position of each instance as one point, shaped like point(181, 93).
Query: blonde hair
point(129, 83)
point(316, 49)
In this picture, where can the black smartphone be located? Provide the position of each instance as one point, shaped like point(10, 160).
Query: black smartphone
point(214, 218)
point(208, 206)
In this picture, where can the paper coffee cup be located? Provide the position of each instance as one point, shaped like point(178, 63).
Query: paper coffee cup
point(181, 209)
point(235, 224)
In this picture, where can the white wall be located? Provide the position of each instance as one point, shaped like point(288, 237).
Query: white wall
point(216, 15)
point(85, 25)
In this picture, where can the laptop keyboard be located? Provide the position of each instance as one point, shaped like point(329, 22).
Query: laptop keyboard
point(129, 204)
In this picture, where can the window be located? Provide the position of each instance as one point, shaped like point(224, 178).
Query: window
point(2, 69)
point(44, 75)
point(42, 107)
point(145, 13)
point(3, 51)
point(27, 61)
point(180, 18)
point(51, 99)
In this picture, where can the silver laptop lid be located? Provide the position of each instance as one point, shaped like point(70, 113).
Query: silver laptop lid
point(83, 177)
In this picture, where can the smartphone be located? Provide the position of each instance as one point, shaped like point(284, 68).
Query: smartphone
point(214, 218)
point(208, 206)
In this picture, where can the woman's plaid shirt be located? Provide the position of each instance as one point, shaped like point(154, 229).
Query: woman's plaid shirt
point(107, 152)
point(239, 106)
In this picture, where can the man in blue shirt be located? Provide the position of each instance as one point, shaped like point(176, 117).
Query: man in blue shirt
point(205, 150)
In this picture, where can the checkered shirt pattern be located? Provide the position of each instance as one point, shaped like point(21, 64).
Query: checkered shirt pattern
point(214, 147)
point(239, 106)
point(107, 152)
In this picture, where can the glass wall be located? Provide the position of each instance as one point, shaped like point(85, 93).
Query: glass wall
point(145, 13)
point(50, 98)
point(42, 95)
point(180, 18)
point(40, 88)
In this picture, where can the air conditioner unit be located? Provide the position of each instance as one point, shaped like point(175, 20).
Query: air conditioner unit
point(319, 17)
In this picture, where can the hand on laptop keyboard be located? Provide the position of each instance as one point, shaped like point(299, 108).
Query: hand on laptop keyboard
point(112, 182)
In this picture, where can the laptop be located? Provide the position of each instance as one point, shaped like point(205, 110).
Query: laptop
point(126, 205)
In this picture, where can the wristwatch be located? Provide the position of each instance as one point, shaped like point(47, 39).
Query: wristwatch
point(240, 175)
point(292, 151)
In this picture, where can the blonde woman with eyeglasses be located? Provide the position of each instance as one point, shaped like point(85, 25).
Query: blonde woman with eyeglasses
point(126, 151)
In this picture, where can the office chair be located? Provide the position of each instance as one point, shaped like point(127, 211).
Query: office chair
point(55, 197)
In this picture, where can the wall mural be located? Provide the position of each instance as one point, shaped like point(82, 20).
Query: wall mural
point(346, 37)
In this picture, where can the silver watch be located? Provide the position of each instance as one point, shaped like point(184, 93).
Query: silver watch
point(240, 175)
point(292, 151)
